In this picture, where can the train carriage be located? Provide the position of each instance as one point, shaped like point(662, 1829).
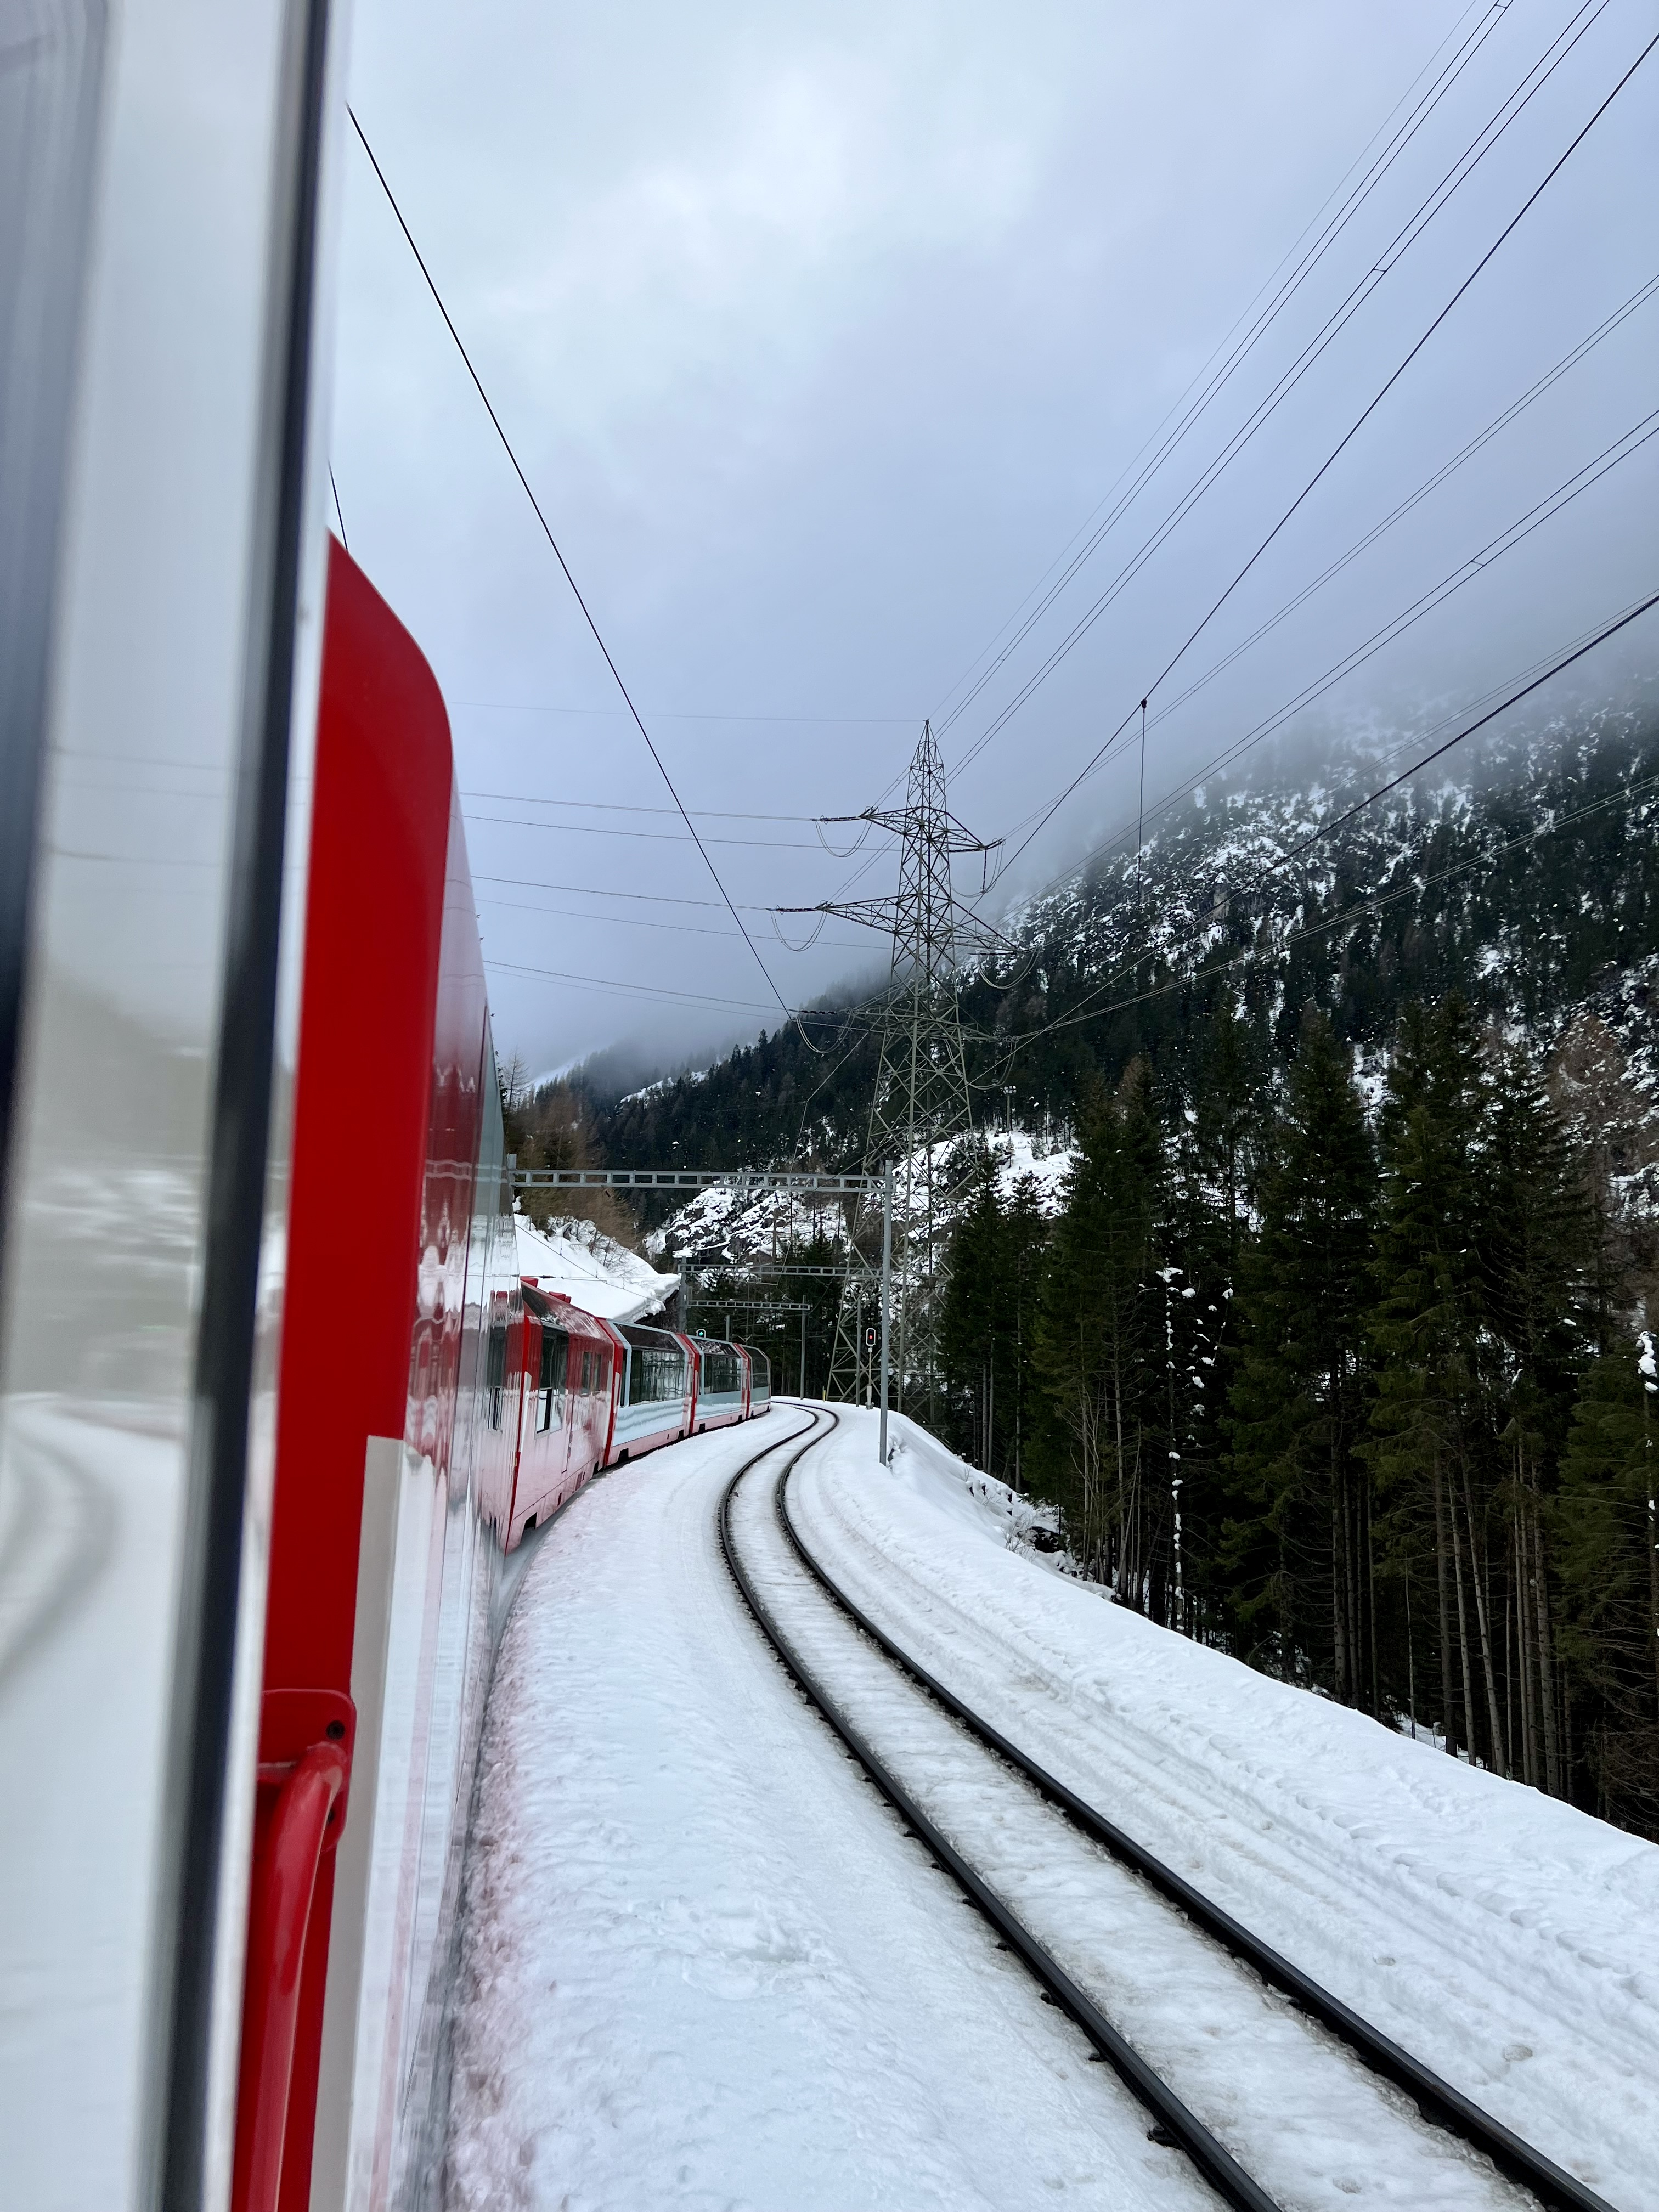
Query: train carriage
point(655, 1403)
point(561, 1406)
point(723, 1383)
point(760, 1379)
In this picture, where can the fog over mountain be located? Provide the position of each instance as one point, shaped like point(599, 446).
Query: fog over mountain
point(823, 334)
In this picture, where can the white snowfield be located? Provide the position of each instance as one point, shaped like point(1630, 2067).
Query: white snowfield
point(703, 1966)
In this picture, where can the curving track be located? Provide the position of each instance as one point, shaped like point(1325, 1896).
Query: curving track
point(1075, 1898)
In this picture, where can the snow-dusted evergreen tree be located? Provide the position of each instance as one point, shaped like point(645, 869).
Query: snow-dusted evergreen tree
point(1607, 1524)
point(1301, 1543)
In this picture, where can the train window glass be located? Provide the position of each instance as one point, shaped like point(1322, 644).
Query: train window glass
point(722, 1372)
point(760, 1373)
point(657, 1375)
point(496, 1372)
point(549, 1380)
point(587, 1374)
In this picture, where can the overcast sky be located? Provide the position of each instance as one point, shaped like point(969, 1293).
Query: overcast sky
point(823, 332)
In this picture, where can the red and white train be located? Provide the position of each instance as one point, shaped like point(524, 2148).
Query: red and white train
point(274, 1403)
point(578, 1393)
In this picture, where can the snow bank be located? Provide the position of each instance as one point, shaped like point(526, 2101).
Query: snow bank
point(1512, 1942)
point(578, 1261)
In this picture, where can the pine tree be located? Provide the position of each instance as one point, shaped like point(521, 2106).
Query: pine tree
point(1099, 1348)
point(1607, 1519)
point(1425, 1325)
point(1303, 1545)
point(1540, 1247)
point(987, 1317)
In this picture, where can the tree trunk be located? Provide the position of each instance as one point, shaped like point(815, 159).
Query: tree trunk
point(1339, 1577)
point(1547, 1666)
point(1463, 1635)
point(1477, 1576)
point(1445, 1610)
point(1525, 1638)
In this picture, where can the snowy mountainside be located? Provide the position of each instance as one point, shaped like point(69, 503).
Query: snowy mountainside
point(1528, 878)
point(724, 1227)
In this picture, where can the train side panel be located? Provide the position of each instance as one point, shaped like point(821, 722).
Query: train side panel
point(393, 1482)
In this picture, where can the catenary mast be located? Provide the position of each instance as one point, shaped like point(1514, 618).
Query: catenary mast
point(923, 1103)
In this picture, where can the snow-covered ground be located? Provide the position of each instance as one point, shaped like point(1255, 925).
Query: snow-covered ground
point(1510, 1942)
point(579, 1261)
point(704, 1965)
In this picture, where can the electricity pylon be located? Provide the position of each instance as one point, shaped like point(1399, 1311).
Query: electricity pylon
point(922, 1102)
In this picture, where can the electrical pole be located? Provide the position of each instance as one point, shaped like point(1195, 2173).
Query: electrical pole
point(922, 1102)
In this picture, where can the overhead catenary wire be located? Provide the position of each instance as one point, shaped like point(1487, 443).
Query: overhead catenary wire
point(1490, 132)
point(1415, 117)
point(1349, 918)
point(338, 517)
point(507, 447)
point(1628, 443)
point(1517, 98)
point(1558, 666)
point(1346, 440)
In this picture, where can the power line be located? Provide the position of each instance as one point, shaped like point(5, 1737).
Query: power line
point(1257, 329)
point(1430, 99)
point(613, 713)
point(634, 921)
point(649, 837)
point(1328, 829)
point(622, 806)
point(594, 890)
point(1583, 479)
point(1351, 916)
point(1342, 446)
point(507, 447)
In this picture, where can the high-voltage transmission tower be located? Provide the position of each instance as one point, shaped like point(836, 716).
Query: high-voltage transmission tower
point(923, 1103)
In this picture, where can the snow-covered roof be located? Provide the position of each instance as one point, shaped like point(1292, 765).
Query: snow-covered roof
point(578, 1261)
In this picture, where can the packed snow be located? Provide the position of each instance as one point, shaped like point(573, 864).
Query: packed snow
point(703, 1963)
point(1511, 1942)
point(575, 1260)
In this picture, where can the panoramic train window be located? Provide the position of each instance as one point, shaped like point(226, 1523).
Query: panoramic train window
point(722, 1372)
point(656, 1375)
point(549, 1381)
point(760, 1373)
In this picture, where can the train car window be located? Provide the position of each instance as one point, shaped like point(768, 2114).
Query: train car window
point(760, 1373)
point(659, 1372)
point(587, 1374)
point(722, 1371)
point(549, 1380)
point(496, 1372)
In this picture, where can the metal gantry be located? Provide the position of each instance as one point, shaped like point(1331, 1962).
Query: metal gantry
point(863, 1190)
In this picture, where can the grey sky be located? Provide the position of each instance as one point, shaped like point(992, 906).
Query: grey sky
point(820, 332)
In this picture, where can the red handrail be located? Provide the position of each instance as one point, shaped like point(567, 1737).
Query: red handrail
point(279, 1917)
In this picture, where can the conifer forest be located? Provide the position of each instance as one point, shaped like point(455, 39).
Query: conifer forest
point(1330, 1344)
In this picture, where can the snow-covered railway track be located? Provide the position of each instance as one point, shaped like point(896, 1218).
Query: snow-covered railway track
point(1286, 2096)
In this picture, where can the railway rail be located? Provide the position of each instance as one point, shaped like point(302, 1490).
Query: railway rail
point(1175, 2123)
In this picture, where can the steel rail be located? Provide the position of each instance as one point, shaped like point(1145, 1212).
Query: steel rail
point(1436, 2100)
point(1177, 2126)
